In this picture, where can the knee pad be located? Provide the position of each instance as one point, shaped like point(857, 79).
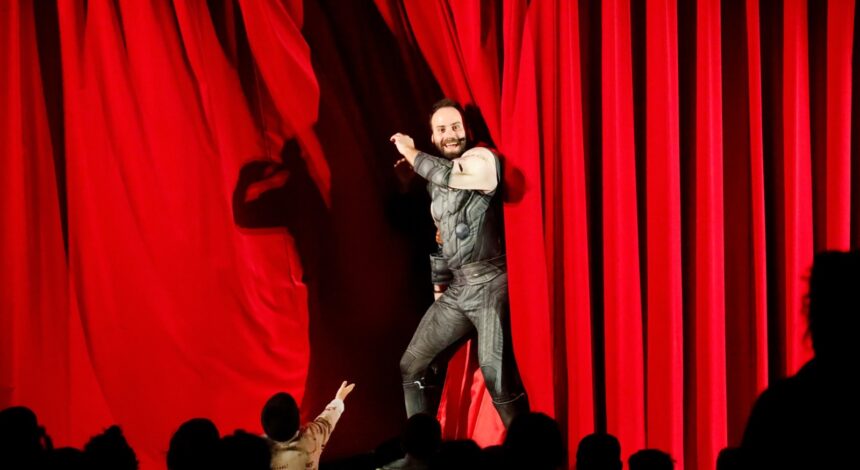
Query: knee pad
point(409, 370)
point(491, 381)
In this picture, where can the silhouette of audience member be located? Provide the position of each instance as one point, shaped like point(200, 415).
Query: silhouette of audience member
point(534, 441)
point(463, 454)
point(731, 458)
point(493, 457)
point(194, 445)
point(650, 459)
point(810, 419)
point(299, 448)
point(420, 440)
point(244, 451)
point(23, 442)
point(66, 458)
point(599, 452)
point(110, 451)
point(387, 451)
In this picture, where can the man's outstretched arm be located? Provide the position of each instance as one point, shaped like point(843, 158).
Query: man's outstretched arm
point(474, 170)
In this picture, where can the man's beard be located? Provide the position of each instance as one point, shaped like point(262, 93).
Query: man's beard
point(452, 153)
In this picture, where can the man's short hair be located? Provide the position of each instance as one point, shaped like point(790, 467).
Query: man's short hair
point(446, 103)
point(280, 417)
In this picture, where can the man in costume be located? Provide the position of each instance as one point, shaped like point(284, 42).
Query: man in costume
point(469, 273)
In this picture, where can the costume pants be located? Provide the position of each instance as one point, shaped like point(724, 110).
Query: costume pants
point(476, 301)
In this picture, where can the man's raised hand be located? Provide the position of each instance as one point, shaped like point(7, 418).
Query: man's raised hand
point(405, 145)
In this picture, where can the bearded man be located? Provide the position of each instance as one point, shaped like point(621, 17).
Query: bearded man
point(469, 272)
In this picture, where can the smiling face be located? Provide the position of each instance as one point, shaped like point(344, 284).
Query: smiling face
point(449, 132)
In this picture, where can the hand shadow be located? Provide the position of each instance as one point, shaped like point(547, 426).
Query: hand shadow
point(271, 194)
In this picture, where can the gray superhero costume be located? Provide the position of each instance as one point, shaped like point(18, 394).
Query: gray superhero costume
point(472, 263)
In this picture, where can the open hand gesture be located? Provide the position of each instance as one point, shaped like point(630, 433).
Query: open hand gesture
point(344, 390)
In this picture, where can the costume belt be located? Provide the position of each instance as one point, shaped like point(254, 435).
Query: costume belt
point(478, 272)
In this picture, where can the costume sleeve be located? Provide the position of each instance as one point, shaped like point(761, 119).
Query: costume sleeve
point(475, 170)
point(436, 170)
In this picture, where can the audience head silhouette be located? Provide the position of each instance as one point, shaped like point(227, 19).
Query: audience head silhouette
point(280, 417)
point(534, 438)
point(194, 445)
point(21, 437)
point(110, 451)
point(834, 305)
point(462, 454)
point(245, 451)
point(598, 452)
point(651, 459)
point(732, 458)
point(421, 436)
point(801, 422)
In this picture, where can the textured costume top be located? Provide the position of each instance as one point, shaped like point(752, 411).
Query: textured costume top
point(465, 206)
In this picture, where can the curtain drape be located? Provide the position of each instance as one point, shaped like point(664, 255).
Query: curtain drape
point(34, 320)
point(675, 205)
point(670, 169)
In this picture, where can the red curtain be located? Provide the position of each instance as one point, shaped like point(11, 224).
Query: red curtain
point(182, 315)
point(34, 315)
point(664, 406)
point(675, 206)
point(671, 167)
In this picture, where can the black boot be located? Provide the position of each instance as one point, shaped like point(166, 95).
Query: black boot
point(511, 409)
point(421, 398)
